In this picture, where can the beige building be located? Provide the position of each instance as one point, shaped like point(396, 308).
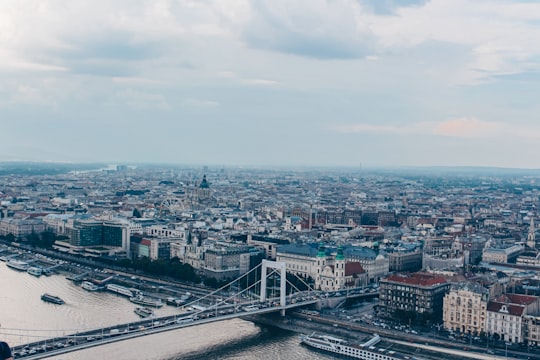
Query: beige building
point(496, 255)
point(464, 308)
point(21, 227)
point(226, 262)
point(529, 260)
point(532, 330)
point(376, 268)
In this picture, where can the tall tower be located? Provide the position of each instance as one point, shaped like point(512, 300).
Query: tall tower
point(310, 216)
point(531, 236)
point(321, 263)
point(339, 271)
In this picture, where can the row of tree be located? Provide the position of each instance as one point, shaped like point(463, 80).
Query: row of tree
point(171, 268)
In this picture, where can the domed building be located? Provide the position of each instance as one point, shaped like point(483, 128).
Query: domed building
point(201, 192)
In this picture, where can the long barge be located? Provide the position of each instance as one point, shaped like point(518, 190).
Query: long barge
point(119, 289)
point(52, 299)
point(365, 351)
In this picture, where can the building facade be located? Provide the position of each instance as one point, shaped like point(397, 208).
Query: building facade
point(416, 297)
point(404, 261)
point(507, 317)
point(464, 308)
point(502, 255)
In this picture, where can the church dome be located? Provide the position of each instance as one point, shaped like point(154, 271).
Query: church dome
point(204, 184)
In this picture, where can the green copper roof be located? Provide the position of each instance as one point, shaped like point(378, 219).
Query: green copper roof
point(339, 255)
point(321, 252)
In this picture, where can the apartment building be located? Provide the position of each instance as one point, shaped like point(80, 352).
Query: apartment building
point(414, 297)
point(464, 308)
point(506, 316)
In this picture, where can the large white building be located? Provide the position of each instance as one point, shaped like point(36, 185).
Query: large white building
point(506, 316)
point(328, 269)
point(501, 255)
point(21, 227)
point(337, 274)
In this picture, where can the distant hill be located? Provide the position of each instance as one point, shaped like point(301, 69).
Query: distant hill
point(459, 170)
point(43, 168)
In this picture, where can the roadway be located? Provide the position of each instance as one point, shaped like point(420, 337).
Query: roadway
point(97, 337)
point(342, 326)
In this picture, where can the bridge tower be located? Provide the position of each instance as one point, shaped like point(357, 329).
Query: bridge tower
point(283, 277)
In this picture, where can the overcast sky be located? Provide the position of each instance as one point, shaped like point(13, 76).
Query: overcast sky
point(277, 82)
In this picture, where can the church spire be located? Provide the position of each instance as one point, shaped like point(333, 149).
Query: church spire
point(531, 236)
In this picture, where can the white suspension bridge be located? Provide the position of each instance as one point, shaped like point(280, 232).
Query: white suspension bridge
point(266, 295)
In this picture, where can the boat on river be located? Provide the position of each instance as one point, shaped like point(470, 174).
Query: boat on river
point(119, 289)
point(52, 299)
point(174, 301)
point(90, 286)
point(34, 270)
point(365, 351)
point(144, 312)
point(146, 301)
point(18, 264)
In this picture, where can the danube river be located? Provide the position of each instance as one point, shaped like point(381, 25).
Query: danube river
point(25, 318)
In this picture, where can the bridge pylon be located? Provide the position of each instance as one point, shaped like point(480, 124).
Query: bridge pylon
point(283, 276)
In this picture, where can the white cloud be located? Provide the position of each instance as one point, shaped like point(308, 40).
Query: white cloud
point(226, 74)
point(133, 80)
point(498, 35)
point(465, 127)
point(200, 103)
point(262, 82)
point(143, 100)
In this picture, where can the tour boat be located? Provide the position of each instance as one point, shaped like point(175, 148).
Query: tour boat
point(122, 290)
point(34, 270)
point(52, 299)
point(90, 286)
point(365, 351)
point(18, 265)
point(146, 301)
point(144, 312)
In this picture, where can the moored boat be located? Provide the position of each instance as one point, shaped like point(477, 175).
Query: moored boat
point(18, 264)
point(52, 299)
point(34, 270)
point(122, 290)
point(87, 285)
point(144, 312)
point(365, 351)
point(146, 301)
point(174, 301)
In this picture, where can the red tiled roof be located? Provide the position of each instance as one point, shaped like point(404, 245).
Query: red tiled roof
point(146, 242)
point(519, 299)
point(420, 279)
point(352, 268)
point(514, 310)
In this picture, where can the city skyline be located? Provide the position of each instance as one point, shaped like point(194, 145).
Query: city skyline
point(270, 83)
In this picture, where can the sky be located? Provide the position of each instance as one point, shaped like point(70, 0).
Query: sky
point(367, 83)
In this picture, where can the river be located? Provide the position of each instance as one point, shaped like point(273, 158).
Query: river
point(25, 318)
